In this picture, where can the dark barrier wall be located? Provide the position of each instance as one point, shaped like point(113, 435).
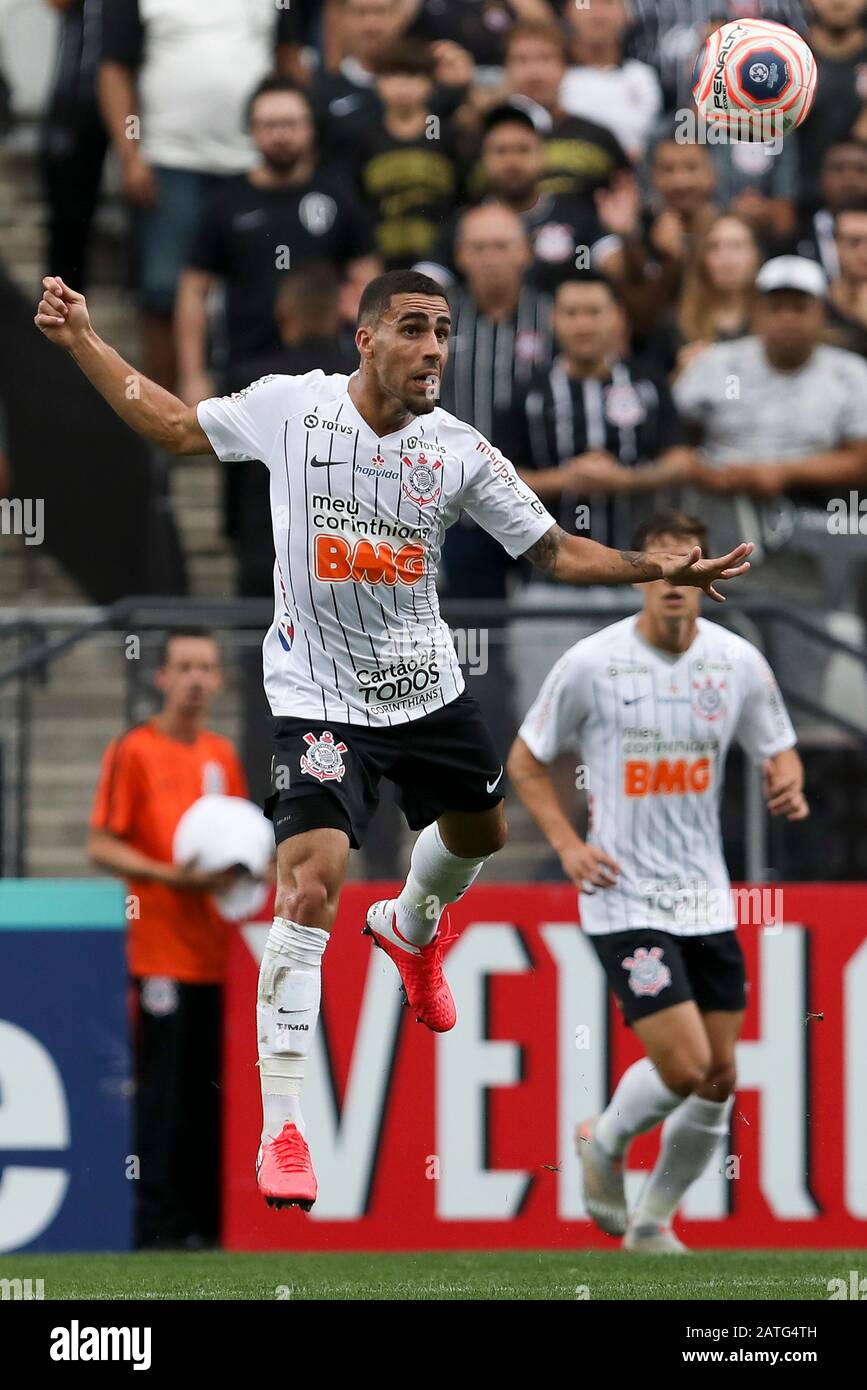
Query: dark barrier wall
point(106, 516)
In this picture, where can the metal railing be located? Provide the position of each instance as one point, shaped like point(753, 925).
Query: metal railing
point(243, 622)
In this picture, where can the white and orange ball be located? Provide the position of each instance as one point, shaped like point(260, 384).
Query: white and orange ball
point(754, 78)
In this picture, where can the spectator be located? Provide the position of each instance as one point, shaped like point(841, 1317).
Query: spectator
point(500, 326)
point(500, 333)
point(481, 30)
point(843, 178)
point(716, 302)
point(596, 436)
point(286, 213)
point(594, 430)
point(176, 948)
point(580, 155)
point(73, 141)
point(782, 420)
point(561, 228)
point(648, 248)
point(838, 38)
point(346, 95)
point(172, 91)
point(847, 308)
point(363, 30)
point(806, 402)
point(621, 93)
point(406, 162)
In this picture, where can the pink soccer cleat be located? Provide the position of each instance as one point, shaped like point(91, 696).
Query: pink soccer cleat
point(284, 1170)
point(426, 990)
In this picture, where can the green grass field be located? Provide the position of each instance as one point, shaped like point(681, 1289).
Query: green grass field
point(504, 1276)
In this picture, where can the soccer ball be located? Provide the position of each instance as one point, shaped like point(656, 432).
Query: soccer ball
point(755, 79)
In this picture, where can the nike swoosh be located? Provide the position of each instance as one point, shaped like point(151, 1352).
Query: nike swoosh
point(635, 699)
point(292, 1011)
point(491, 785)
point(342, 106)
point(326, 463)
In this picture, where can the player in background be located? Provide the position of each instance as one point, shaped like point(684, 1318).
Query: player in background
point(367, 473)
point(653, 703)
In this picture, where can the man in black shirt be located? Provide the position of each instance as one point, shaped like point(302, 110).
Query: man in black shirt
point(593, 431)
point(838, 38)
point(598, 438)
point(480, 26)
point(562, 228)
point(580, 156)
point(500, 335)
point(843, 179)
point(847, 292)
point(287, 213)
point(405, 161)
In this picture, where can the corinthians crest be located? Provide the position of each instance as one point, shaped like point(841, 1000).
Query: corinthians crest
point(420, 484)
point(647, 973)
point(323, 760)
point(708, 699)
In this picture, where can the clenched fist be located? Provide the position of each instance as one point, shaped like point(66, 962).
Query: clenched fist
point(62, 314)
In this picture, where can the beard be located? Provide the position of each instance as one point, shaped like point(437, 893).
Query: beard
point(281, 162)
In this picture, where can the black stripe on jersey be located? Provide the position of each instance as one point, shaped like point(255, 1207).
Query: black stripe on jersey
point(322, 645)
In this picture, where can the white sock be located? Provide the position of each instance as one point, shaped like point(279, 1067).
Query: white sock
point(689, 1137)
point(436, 878)
point(641, 1100)
point(287, 1009)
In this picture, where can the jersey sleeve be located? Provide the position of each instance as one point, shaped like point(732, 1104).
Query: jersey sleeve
point(764, 727)
point(117, 791)
point(244, 425)
point(495, 497)
point(552, 725)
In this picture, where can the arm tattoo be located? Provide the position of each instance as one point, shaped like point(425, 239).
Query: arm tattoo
point(546, 550)
point(636, 558)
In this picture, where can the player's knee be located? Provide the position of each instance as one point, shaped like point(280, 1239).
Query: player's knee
point(307, 901)
point(497, 836)
point(720, 1082)
point(684, 1074)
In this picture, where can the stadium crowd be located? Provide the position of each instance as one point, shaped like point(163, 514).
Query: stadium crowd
point(624, 328)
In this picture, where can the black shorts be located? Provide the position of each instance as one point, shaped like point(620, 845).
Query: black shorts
point(650, 970)
point(326, 775)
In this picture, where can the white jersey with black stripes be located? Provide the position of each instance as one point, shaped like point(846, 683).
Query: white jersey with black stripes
point(358, 524)
point(652, 731)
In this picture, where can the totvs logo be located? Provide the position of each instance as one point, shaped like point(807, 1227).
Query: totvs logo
point(338, 562)
point(666, 776)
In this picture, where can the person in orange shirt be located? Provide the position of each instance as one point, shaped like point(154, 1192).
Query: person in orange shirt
point(176, 947)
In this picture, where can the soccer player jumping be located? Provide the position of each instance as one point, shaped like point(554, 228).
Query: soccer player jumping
point(653, 703)
point(367, 472)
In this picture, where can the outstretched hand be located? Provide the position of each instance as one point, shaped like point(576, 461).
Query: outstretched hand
point(696, 573)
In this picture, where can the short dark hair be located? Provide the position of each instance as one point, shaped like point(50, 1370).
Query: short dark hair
point(508, 114)
point(406, 57)
point(188, 630)
point(377, 294)
point(669, 522)
point(589, 277)
point(274, 82)
point(850, 205)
